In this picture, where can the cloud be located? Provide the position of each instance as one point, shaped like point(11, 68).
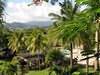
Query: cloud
point(20, 12)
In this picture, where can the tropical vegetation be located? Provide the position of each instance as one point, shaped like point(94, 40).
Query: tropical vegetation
point(38, 50)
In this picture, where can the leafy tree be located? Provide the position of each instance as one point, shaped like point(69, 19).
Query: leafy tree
point(93, 9)
point(54, 58)
point(12, 67)
point(4, 32)
point(68, 13)
point(79, 30)
point(8, 68)
point(88, 46)
point(15, 40)
point(36, 41)
point(2, 5)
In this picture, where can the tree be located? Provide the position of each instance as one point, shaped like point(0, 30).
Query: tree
point(4, 32)
point(8, 67)
point(36, 41)
point(80, 29)
point(54, 58)
point(88, 46)
point(2, 5)
point(68, 13)
point(93, 9)
point(2, 29)
point(15, 40)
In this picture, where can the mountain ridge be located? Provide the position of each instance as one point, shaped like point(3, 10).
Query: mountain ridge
point(31, 24)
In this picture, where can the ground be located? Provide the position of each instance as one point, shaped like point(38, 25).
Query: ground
point(46, 71)
point(42, 72)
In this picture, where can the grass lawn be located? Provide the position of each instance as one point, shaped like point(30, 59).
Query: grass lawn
point(81, 71)
point(42, 72)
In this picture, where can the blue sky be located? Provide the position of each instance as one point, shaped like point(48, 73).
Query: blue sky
point(18, 11)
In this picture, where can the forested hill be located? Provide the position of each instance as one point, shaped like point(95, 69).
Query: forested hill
point(32, 24)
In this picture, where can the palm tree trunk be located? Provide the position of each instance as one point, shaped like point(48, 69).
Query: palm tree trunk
point(71, 60)
point(39, 59)
point(97, 40)
point(87, 66)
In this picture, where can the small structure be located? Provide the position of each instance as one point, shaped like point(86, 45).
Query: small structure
point(34, 61)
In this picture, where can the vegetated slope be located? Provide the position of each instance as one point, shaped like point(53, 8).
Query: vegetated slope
point(32, 24)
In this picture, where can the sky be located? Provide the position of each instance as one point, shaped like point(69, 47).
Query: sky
point(19, 11)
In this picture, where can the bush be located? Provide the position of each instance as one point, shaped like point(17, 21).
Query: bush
point(76, 73)
point(54, 57)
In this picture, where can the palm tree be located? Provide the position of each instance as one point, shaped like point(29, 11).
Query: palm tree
point(79, 30)
point(15, 40)
point(88, 46)
point(68, 13)
point(2, 29)
point(93, 7)
point(4, 32)
point(2, 5)
point(54, 58)
point(36, 41)
point(87, 36)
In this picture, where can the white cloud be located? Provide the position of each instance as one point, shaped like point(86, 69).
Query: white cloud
point(20, 12)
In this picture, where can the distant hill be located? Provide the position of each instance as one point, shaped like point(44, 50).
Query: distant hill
point(32, 24)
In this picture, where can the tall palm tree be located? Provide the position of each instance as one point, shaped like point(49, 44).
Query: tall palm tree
point(85, 29)
point(68, 13)
point(15, 40)
point(2, 5)
point(4, 32)
point(36, 41)
point(93, 9)
point(88, 41)
point(79, 30)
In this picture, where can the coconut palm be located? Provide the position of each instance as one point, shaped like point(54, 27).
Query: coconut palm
point(36, 41)
point(15, 40)
point(2, 5)
point(68, 13)
point(93, 9)
point(85, 29)
point(79, 30)
point(88, 39)
point(4, 32)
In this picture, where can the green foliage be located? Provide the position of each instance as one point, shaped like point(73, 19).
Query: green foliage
point(8, 68)
point(68, 12)
point(4, 32)
point(76, 73)
point(36, 40)
point(54, 56)
point(15, 40)
point(12, 67)
point(2, 5)
point(41, 72)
